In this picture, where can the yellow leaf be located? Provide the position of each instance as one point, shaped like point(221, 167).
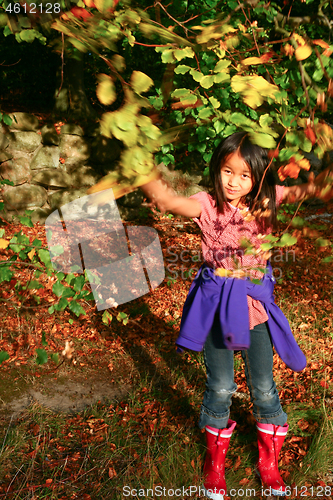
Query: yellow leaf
point(31, 253)
point(223, 273)
point(299, 39)
point(304, 163)
point(252, 60)
point(3, 244)
point(303, 52)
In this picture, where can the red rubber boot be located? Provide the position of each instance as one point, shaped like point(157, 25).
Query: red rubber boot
point(217, 447)
point(270, 441)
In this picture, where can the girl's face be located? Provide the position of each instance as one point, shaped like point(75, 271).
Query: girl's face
point(236, 178)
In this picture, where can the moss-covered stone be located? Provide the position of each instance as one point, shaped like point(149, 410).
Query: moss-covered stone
point(46, 157)
point(50, 137)
point(52, 177)
point(24, 141)
point(23, 121)
point(17, 171)
point(25, 196)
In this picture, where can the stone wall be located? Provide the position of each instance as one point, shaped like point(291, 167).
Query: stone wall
point(50, 167)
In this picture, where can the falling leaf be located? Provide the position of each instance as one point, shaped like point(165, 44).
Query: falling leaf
point(303, 52)
point(288, 49)
point(304, 163)
point(290, 170)
point(220, 271)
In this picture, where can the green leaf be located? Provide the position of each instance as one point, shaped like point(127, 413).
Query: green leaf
point(207, 81)
point(70, 278)
point(287, 240)
point(55, 357)
point(44, 342)
point(221, 78)
point(298, 222)
point(140, 82)
point(51, 310)
point(265, 120)
point(44, 256)
point(214, 102)
point(3, 356)
point(182, 69)
point(34, 285)
point(5, 273)
point(106, 92)
point(62, 304)
point(221, 65)
point(168, 57)
point(182, 53)
point(78, 283)
point(70, 321)
point(185, 96)
point(205, 113)
point(326, 260)
point(263, 140)
point(219, 126)
point(76, 308)
point(41, 356)
point(322, 242)
point(28, 35)
point(26, 221)
point(7, 119)
point(58, 289)
point(197, 75)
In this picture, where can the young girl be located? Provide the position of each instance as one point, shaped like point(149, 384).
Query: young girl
point(225, 311)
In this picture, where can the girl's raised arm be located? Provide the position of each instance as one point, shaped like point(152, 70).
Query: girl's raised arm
point(167, 200)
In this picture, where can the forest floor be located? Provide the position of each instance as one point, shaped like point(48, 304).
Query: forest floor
point(119, 419)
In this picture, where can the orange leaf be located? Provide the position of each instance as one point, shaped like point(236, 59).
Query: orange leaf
point(48, 482)
point(310, 134)
point(290, 170)
point(112, 472)
point(244, 481)
point(321, 43)
point(80, 13)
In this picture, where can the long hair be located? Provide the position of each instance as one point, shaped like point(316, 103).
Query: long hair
point(257, 159)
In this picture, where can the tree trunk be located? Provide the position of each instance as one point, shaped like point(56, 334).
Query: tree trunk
point(71, 101)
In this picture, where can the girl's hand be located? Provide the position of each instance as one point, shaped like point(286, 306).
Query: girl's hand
point(323, 184)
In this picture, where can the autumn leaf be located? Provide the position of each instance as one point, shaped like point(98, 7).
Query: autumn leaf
point(304, 163)
point(80, 13)
point(303, 52)
point(31, 253)
point(288, 49)
point(310, 134)
point(223, 273)
point(290, 170)
point(3, 243)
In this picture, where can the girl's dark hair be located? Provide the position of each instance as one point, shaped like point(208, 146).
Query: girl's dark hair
point(257, 159)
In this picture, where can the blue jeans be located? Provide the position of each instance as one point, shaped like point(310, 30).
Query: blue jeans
point(221, 386)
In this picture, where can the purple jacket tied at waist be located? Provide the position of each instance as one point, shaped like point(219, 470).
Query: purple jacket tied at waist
point(221, 303)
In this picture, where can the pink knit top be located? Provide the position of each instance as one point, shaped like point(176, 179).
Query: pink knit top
point(220, 243)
